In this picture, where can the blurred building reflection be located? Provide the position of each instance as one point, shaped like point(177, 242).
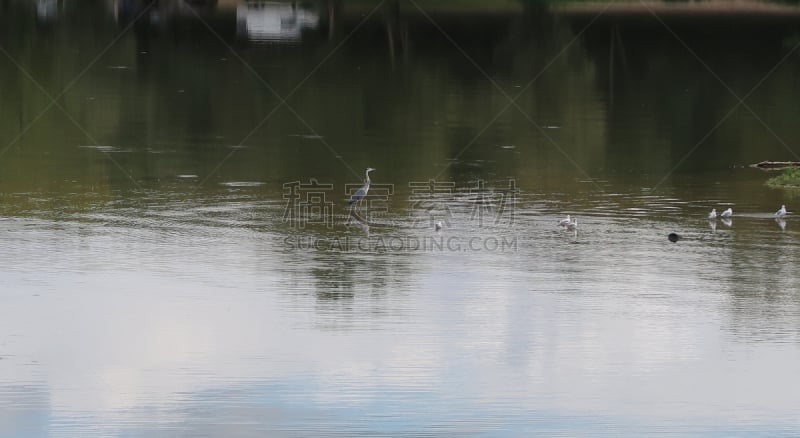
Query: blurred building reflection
point(273, 21)
point(46, 10)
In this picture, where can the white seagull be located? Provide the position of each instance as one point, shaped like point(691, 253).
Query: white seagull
point(781, 212)
point(571, 226)
point(564, 222)
point(727, 213)
point(713, 214)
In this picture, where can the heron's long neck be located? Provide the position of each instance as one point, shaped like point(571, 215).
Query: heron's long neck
point(367, 175)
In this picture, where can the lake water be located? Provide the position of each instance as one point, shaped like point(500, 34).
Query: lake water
point(179, 258)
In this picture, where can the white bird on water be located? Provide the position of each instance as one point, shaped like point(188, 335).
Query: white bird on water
point(713, 214)
point(727, 213)
point(564, 222)
point(781, 212)
point(571, 226)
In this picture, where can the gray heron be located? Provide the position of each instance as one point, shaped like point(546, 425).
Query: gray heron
point(359, 195)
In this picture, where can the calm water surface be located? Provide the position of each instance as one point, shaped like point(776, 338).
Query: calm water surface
point(162, 276)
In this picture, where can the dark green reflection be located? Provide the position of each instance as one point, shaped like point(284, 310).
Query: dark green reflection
point(197, 90)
